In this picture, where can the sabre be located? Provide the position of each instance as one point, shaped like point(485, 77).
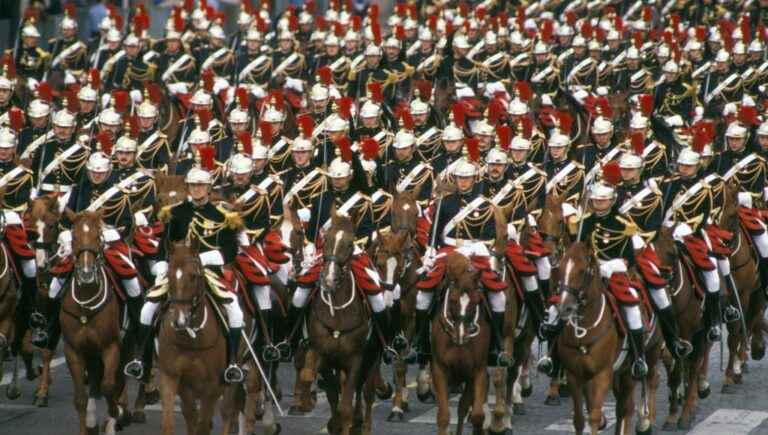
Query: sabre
point(263, 375)
point(738, 303)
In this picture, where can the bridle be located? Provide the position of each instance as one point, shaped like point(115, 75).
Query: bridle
point(194, 302)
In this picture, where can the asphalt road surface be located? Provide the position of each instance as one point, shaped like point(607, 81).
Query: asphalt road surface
point(742, 413)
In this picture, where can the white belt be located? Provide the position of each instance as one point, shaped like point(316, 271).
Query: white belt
point(463, 242)
point(55, 187)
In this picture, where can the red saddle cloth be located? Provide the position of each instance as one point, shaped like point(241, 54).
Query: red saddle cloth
point(488, 277)
point(719, 239)
point(698, 252)
point(535, 245)
point(650, 266)
point(518, 259)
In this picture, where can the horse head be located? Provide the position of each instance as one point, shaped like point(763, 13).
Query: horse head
point(186, 284)
point(665, 247)
point(729, 219)
point(42, 219)
point(338, 246)
point(579, 269)
point(551, 224)
point(404, 212)
point(393, 256)
point(462, 304)
point(86, 244)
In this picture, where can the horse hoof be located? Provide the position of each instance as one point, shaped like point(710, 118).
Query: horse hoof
point(405, 407)
point(295, 411)
point(648, 431)
point(603, 422)
point(758, 353)
point(139, 417)
point(501, 432)
point(41, 402)
point(527, 391)
point(703, 394)
point(152, 397)
point(728, 389)
point(744, 367)
point(427, 397)
point(684, 423)
point(385, 392)
point(273, 430)
point(12, 392)
point(396, 416)
point(518, 409)
point(738, 379)
point(552, 401)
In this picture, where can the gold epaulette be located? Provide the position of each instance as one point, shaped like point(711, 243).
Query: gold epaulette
point(233, 220)
point(165, 213)
point(630, 228)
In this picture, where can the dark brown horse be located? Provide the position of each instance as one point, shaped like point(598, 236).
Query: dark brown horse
point(461, 335)
point(683, 377)
point(590, 348)
point(90, 325)
point(7, 305)
point(192, 347)
point(338, 326)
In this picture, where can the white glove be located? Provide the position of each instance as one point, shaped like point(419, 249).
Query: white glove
point(176, 88)
point(674, 121)
point(11, 217)
point(242, 239)
point(32, 84)
point(160, 269)
point(638, 242)
point(681, 230)
point(295, 84)
point(69, 79)
point(610, 267)
point(512, 233)
point(110, 235)
point(745, 199)
point(105, 100)
point(219, 84)
point(258, 91)
point(136, 96)
point(568, 210)
point(428, 260)
point(729, 109)
point(139, 219)
point(65, 244)
point(211, 258)
point(602, 91)
point(304, 214)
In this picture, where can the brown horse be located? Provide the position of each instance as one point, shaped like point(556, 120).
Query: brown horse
point(744, 262)
point(192, 346)
point(90, 325)
point(7, 305)
point(338, 329)
point(688, 310)
point(396, 256)
point(461, 335)
point(591, 351)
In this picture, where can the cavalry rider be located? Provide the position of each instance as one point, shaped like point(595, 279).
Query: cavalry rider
point(196, 219)
point(347, 196)
point(57, 164)
point(466, 221)
point(739, 163)
point(405, 173)
point(565, 176)
point(261, 251)
point(689, 204)
point(153, 150)
point(98, 192)
point(611, 237)
point(642, 201)
point(16, 185)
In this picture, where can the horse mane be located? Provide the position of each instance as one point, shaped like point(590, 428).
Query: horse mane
point(459, 269)
point(729, 217)
point(404, 210)
point(553, 201)
point(341, 223)
point(578, 250)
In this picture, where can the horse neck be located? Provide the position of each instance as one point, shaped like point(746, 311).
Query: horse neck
point(595, 294)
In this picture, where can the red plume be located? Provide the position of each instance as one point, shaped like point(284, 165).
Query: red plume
point(133, 125)
point(293, 23)
point(473, 148)
point(345, 148)
point(373, 12)
point(44, 92)
point(277, 100)
point(547, 30)
point(306, 124)
point(667, 36)
point(344, 105)
point(504, 132)
point(262, 27)
point(637, 40)
point(463, 9)
point(189, 5)
point(700, 139)
point(701, 33)
point(370, 148)
point(266, 132)
point(178, 23)
point(746, 29)
point(324, 72)
point(605, 107)
point(586, 29)
point(570, 18)
point(646, 104)
point(425, 89)
point(675, 21)
point(405, 115)
point(638, 142)
point(207, 160)
point(70, 11)
point(527, 126)
point(400, 33)
point(612, 173)
point(245, 139)
point(205, 116)
point(338, 29)
point(16, 119)
point(432, 23)
point(243, 98)
point(520, 18)
point(376, 31)
point(524, 90)
point(458, 114)
point(748, 115)
point(566, 122)
point(310, 6)
point(208, 77)
point(599, 33)
point(154, 92)
point(377, 92)
point(95, 76)
point(496, 111)
point(356, 23)
point(480, 13)
point(761, 34)
point(122, 100)
point(647, 14)
point(72, 103)
point(618, 23)
point(10, 64)
point(401, 9)
point(105, 141)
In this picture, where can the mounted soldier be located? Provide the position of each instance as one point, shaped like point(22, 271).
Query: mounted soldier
point(58, 163)
point(404, 172)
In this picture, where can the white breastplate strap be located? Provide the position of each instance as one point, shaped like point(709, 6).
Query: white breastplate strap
point(469, 208)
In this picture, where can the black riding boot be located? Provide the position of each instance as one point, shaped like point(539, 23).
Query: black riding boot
point(497, 354)
point(399, 342)
point(137, 367)
point(637, 347)
point(678, 347)
point(233, 374)
point(269, 352)
point(763, 270)
point(44, 338)
point(544, 288)
point(536, 306)
point(134, 310)
point(728, 304)
point(423, 347)
point(712, 316)
point(24, 308)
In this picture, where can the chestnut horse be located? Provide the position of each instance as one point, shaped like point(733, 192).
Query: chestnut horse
point(461, 335)
point(7, 306)
point(192, 347)
point(90, 325)
point(590, 348)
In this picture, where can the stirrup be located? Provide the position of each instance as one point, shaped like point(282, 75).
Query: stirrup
point(399, 342)
point(134, 369)
point(390, 355)
point(546, 366)
point(37, 320)
point(548, 331)
point(639, 369)
point(39, 337)
point(503, 359)
point(285, 351)
point(233, 374)
point(714, 334)
point(731, 314)
point(681, 348)
point(270, 353)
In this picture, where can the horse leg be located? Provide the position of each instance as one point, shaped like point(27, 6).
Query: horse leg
point(12, 391)
point(111, 386)
point(464, 403)
point(478, 391)
point(624, 391)
point(424, 384)
point(597, 389)
point(733, 369)
point(499, 412)
point(348, 387)
point(228, 407)
point(169, 386)
point(188, 408)
point(577, 396)
point(205, 415)
point(440, 384)
point(691, 393)
point(369, 394)
point(756, 308)
point(41, 395)
point(399, 401)
point(674, 379)
point(81, 401)
point(332, 394)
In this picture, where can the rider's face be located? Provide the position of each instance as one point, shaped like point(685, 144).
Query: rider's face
point(199, 192)
point(601, 205)
point(452, 145)
point(464, 184)
point(6, 154)
point(241, 179)
point(736, 143)
point(125, 159)
point(87, 106)
point(687, 171)
point(403, 154)
point(557, 153)
point(628, 174)
point(301, 158)
point(5, 95)
point(496, 171)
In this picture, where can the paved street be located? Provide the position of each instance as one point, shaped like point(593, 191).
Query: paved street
point(739, 414)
